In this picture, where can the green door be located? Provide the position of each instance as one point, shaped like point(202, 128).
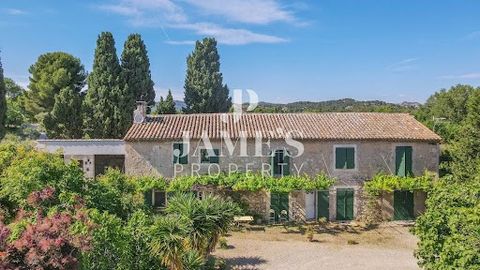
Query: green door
point(323, 204)
point(279, 202)
point(345, 203)
point(402, 205)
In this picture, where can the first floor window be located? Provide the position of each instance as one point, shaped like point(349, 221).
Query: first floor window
point(209, 155)
point(403, 161)
point(179, 153)
point(280, 162)
point(344, 158)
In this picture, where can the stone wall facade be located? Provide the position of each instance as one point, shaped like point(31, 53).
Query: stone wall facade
point(371, 157)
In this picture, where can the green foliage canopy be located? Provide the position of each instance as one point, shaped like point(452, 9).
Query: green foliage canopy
point(51, 73)
point(204, 89)
point(136, 71)
point(107, 104)
point(449, 230)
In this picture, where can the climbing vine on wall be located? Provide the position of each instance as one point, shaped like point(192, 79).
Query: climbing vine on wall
point(388, 183)
point(238, 182)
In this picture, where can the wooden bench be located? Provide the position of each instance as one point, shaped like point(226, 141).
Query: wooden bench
point(242, 220)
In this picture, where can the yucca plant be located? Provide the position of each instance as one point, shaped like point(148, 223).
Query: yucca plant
point(169, 241)
point(207, 219)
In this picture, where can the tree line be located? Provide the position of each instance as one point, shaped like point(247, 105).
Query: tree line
point(69, 103)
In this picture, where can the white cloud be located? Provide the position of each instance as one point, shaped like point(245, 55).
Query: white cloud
point(230, 36)
point(170, 14)
point(473, 75)
point(245, 11)
point(180, 42)
point(14, 11)
point(403, 65)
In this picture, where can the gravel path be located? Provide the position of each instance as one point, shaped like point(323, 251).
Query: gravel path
point(386, 248)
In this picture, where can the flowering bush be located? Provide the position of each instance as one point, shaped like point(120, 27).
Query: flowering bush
point(47, 242)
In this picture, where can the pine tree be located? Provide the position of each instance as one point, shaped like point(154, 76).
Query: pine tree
point(466, 149)
point(65, 119)
point(3, 102)
point(166, 106)
point(204, 89)
point(51, 73)
point(136, 70)
point(107, 104)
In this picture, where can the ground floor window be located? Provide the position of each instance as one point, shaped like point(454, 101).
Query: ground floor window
point(345, 203)
point(102, 162)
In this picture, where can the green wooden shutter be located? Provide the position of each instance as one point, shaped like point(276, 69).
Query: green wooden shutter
point(286, 161)
point(176, 146)
point(345, 203)
point(340, 158)
point(349, 204)
point(216, 157)
point(183, 156)
point(400, 161)
point(340, 204)
point(276, 161)
point(403, 205)
point(323, 204)
point(408, 161)
point(350, 153)
point(147, 196)
point(279, 202)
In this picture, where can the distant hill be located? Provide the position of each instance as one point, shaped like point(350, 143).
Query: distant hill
point(179, 104)
point(340, 105)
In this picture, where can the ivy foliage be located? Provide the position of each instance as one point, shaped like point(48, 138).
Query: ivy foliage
point(237, 182)
point(388, 183)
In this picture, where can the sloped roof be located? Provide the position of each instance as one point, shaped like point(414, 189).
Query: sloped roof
point(314, 126)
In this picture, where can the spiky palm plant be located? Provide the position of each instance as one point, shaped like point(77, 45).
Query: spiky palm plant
point(169, 241)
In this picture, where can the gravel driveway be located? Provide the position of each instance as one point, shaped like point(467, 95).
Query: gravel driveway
point(388, 247)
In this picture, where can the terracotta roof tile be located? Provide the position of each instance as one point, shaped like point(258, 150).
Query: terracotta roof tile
point(315, 126)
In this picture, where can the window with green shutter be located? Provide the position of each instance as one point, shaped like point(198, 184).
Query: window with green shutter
point(205, 156)
point(179, 153)
point(280, 162)
point(403, 161)
point(345, 158)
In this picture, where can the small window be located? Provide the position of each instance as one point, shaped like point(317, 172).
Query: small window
point(280, 162)
point(344, 158)
point(206, 158)
point(159, 199)
point(179, 153)
point(403, 161)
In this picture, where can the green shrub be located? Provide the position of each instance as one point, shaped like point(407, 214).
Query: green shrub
point(449, 230)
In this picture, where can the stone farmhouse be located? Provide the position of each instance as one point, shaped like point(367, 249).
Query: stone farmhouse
point(351, 147)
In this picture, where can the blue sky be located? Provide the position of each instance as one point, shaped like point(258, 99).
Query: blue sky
point(401, 50)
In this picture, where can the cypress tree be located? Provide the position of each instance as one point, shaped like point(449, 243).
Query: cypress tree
point(136, 70)
point(166, 106)
point(107, 104)
point(204, 89)
point(3, 102)
point(65, 119)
